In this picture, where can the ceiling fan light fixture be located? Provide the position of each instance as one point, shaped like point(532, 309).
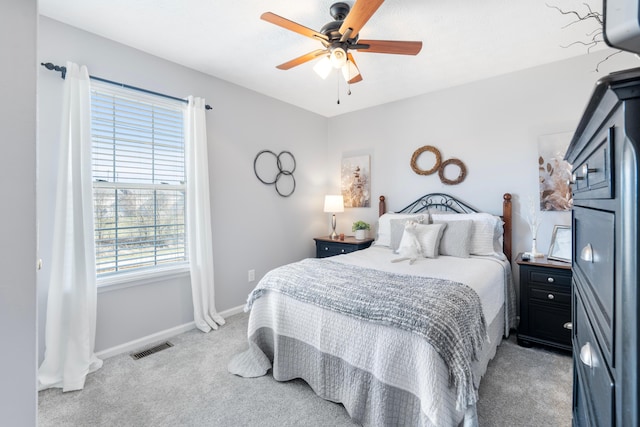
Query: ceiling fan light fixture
point(350, 71)
point(338, 57)
point(323, 67)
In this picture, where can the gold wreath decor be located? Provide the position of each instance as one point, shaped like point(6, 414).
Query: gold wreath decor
point(416, 154)
point(461, 176)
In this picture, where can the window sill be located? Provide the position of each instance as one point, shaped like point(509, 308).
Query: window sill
point(127, 280)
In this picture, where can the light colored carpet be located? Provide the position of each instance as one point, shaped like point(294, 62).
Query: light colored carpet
point(188, 385)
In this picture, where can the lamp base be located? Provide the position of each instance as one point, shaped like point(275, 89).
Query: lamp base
point(334, 235)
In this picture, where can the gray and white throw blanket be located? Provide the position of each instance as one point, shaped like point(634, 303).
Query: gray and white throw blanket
point(448, 315)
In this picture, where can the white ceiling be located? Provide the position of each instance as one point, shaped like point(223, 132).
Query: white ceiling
point(463, 41)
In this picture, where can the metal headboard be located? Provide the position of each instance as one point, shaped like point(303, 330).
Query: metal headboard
point(439, 201)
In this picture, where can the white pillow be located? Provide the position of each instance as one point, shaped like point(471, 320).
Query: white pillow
point(429, 237)
point(486, 232)
point(456, 239)
point(384, 225)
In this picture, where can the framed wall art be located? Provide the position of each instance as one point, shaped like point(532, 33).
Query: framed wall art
point(554, 172)
point(356, 181)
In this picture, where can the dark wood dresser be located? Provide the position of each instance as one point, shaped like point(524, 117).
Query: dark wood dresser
point(325, 246)
point(545, 303)
point(604, 154)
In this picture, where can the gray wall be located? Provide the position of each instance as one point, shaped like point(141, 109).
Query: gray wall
point(18, 35)
point(253, 227)
point(492, 125)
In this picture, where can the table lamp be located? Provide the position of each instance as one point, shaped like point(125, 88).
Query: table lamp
point(332, 205)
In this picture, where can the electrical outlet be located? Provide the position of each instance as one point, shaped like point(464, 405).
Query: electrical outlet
point(251, 275)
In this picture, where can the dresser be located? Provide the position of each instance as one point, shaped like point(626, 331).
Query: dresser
point(604, 154)
point(325, 246)
point(545, 303)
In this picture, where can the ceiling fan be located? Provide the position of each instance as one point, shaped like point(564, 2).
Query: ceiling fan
point(339, 37)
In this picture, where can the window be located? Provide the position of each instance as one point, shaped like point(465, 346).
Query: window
point(138, 165)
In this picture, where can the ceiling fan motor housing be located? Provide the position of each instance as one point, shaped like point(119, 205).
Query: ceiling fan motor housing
point(339, 12)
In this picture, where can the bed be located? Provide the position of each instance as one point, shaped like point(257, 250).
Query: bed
point(398, 340)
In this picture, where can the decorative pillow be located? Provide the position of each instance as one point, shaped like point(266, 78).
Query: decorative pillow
point(486, 230)
point(456, 240)
point(384, 225)
point(429, 236)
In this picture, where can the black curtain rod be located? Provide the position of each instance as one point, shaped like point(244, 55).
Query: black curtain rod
point(63, 72)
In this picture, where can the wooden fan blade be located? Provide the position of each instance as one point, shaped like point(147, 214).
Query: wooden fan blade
point(357, 78)
point(292, 26)
point(302, 59)
point(391, 46)
point(359, 15)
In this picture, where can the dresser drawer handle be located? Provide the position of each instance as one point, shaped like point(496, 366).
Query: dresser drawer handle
point(586, 254)
point(342, 250)
point(575, 178)
point(568, 326)
point(586, 170)
point(550, 279)
point(551, 296)
point(326, 248)
point(587, 357)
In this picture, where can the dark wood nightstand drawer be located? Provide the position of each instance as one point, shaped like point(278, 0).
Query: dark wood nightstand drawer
point(549, 295)
point(549, 322)
point(547, 276)
point(330, 249)
point(326, 247)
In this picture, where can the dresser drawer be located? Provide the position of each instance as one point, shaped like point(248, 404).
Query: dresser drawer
point(592, 176)
point(594, 269)
point(592, 371)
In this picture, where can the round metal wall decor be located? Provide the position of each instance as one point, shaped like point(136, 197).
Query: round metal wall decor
point(461, 176)
point(418, 152)
point(278, 172)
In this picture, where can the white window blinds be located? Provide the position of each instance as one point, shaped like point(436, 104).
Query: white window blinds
point(139, 179)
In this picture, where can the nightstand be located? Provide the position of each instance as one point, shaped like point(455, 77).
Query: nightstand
point(326, 247)
point(545, 303)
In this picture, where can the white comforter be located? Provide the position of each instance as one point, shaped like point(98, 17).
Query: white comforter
point(392, 359)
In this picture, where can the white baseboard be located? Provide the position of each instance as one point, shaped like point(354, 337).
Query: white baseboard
point(232, 311)
point(143, 342)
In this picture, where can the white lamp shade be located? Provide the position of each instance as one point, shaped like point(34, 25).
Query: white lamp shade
point(333, 203)
point(338, 57)
point(349, 71)
point(323, 67)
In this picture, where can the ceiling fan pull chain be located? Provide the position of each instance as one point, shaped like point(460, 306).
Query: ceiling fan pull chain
point(338, 81)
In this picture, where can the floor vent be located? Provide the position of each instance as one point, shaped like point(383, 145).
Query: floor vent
point(150, 351)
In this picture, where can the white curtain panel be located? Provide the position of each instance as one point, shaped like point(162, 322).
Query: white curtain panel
point(199, 218)
point(71, 305)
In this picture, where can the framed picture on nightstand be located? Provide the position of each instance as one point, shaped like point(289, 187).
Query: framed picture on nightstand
point(560, 249)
